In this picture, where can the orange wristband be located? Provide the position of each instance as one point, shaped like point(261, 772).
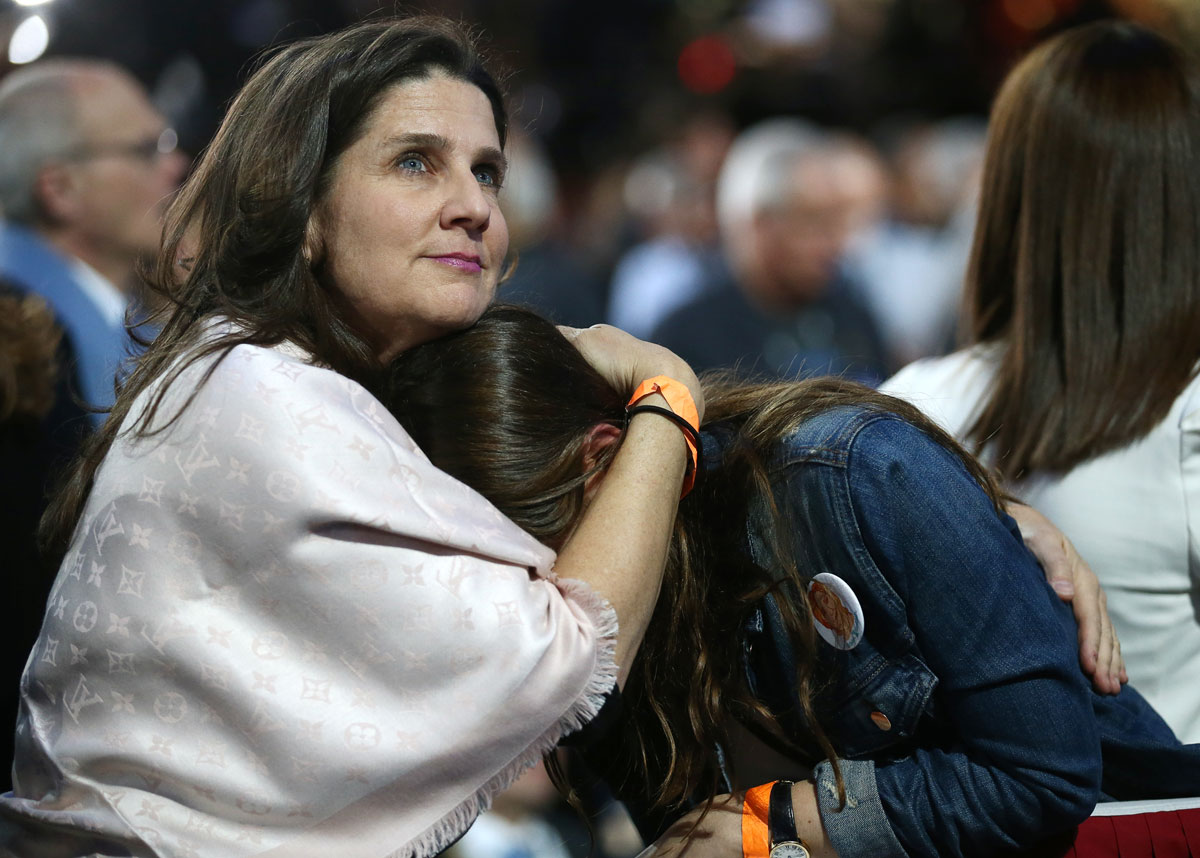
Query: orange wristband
point(679, 400)
point(755, 837)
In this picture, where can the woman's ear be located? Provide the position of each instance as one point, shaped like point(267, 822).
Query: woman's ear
point(599, 439)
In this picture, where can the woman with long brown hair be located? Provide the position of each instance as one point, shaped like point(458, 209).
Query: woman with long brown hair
point(276, 628)
point(946, 715)
point(1083, 317)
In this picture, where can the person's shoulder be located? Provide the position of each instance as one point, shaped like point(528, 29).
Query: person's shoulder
point(708, 308)
point(832, 435)
point(949, 389)
point(871, 465)
point(1187, 405)
point(284, 360)
point(940, 372)
point(285, 382)
point(278, 403)
point(32, 262)
point(654, 253)
point(260, 384)
point(280, 366)
point(708, 333)
point(715, 330)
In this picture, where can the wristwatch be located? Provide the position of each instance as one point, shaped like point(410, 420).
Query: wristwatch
point(783, 840)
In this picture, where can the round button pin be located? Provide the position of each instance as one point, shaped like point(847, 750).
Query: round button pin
point(836, 612)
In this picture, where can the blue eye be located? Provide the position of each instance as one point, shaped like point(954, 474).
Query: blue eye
point(489, 176)
point(413, 163)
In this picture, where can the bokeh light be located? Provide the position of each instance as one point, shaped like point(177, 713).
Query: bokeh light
point(1032, 15)
point(707, 65)
point(29, 40)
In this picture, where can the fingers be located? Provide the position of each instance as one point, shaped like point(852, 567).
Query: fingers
point(1097, 641)
point(1102, 677)
point(1115, 661)
point(609, 350)
point(625, 361)
point(1089, 618)
point(1088, 607)
point(1060, 575)
point(1099, 647)
point(1075, 583)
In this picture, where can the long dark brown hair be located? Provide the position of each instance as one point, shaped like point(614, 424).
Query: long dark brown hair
point(1085, 272)
point(505, 407)
point(234, 241)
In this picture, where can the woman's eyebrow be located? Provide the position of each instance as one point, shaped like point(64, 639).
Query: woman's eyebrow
point(417, 140)
point(492, 155)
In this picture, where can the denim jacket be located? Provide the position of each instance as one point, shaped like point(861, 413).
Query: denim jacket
point(963, 722)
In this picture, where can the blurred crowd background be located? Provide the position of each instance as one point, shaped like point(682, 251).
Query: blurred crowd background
point(625, 114)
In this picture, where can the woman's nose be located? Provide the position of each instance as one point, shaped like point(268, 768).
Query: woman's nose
point(467, 203)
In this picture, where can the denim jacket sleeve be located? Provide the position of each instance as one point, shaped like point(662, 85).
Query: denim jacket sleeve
point(1013, 753)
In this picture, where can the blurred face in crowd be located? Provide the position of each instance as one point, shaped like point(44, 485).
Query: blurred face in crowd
point(410, 233)
point(863, 185)
point(801, 239)
point(123, 173)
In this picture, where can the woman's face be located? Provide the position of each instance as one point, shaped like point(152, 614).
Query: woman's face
point(410, 233)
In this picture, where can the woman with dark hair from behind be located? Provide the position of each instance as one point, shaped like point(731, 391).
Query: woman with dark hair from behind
point(950, 718)
point(1083, 316)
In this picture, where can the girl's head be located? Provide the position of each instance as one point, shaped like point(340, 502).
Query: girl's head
point(1085, 260)
point(511, 408)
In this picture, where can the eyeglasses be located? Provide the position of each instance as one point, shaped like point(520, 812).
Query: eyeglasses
point(148, 150)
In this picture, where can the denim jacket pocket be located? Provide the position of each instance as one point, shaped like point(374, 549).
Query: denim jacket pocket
point(879, 702)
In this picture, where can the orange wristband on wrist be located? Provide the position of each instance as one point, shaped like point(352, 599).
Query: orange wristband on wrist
point(755, 837)
point(679, 400)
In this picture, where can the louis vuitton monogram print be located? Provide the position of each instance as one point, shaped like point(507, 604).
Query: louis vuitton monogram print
point(275, 619)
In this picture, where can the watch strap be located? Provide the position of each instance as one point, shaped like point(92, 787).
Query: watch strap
point(781, 817)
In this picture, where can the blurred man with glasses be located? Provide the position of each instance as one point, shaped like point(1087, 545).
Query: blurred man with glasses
point(87, 167)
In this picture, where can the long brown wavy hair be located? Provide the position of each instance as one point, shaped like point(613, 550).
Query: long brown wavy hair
point(1085, 270)
point(506, 406)
point(234, 240)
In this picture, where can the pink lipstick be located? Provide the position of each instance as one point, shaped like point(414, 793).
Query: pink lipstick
point(461, 261)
